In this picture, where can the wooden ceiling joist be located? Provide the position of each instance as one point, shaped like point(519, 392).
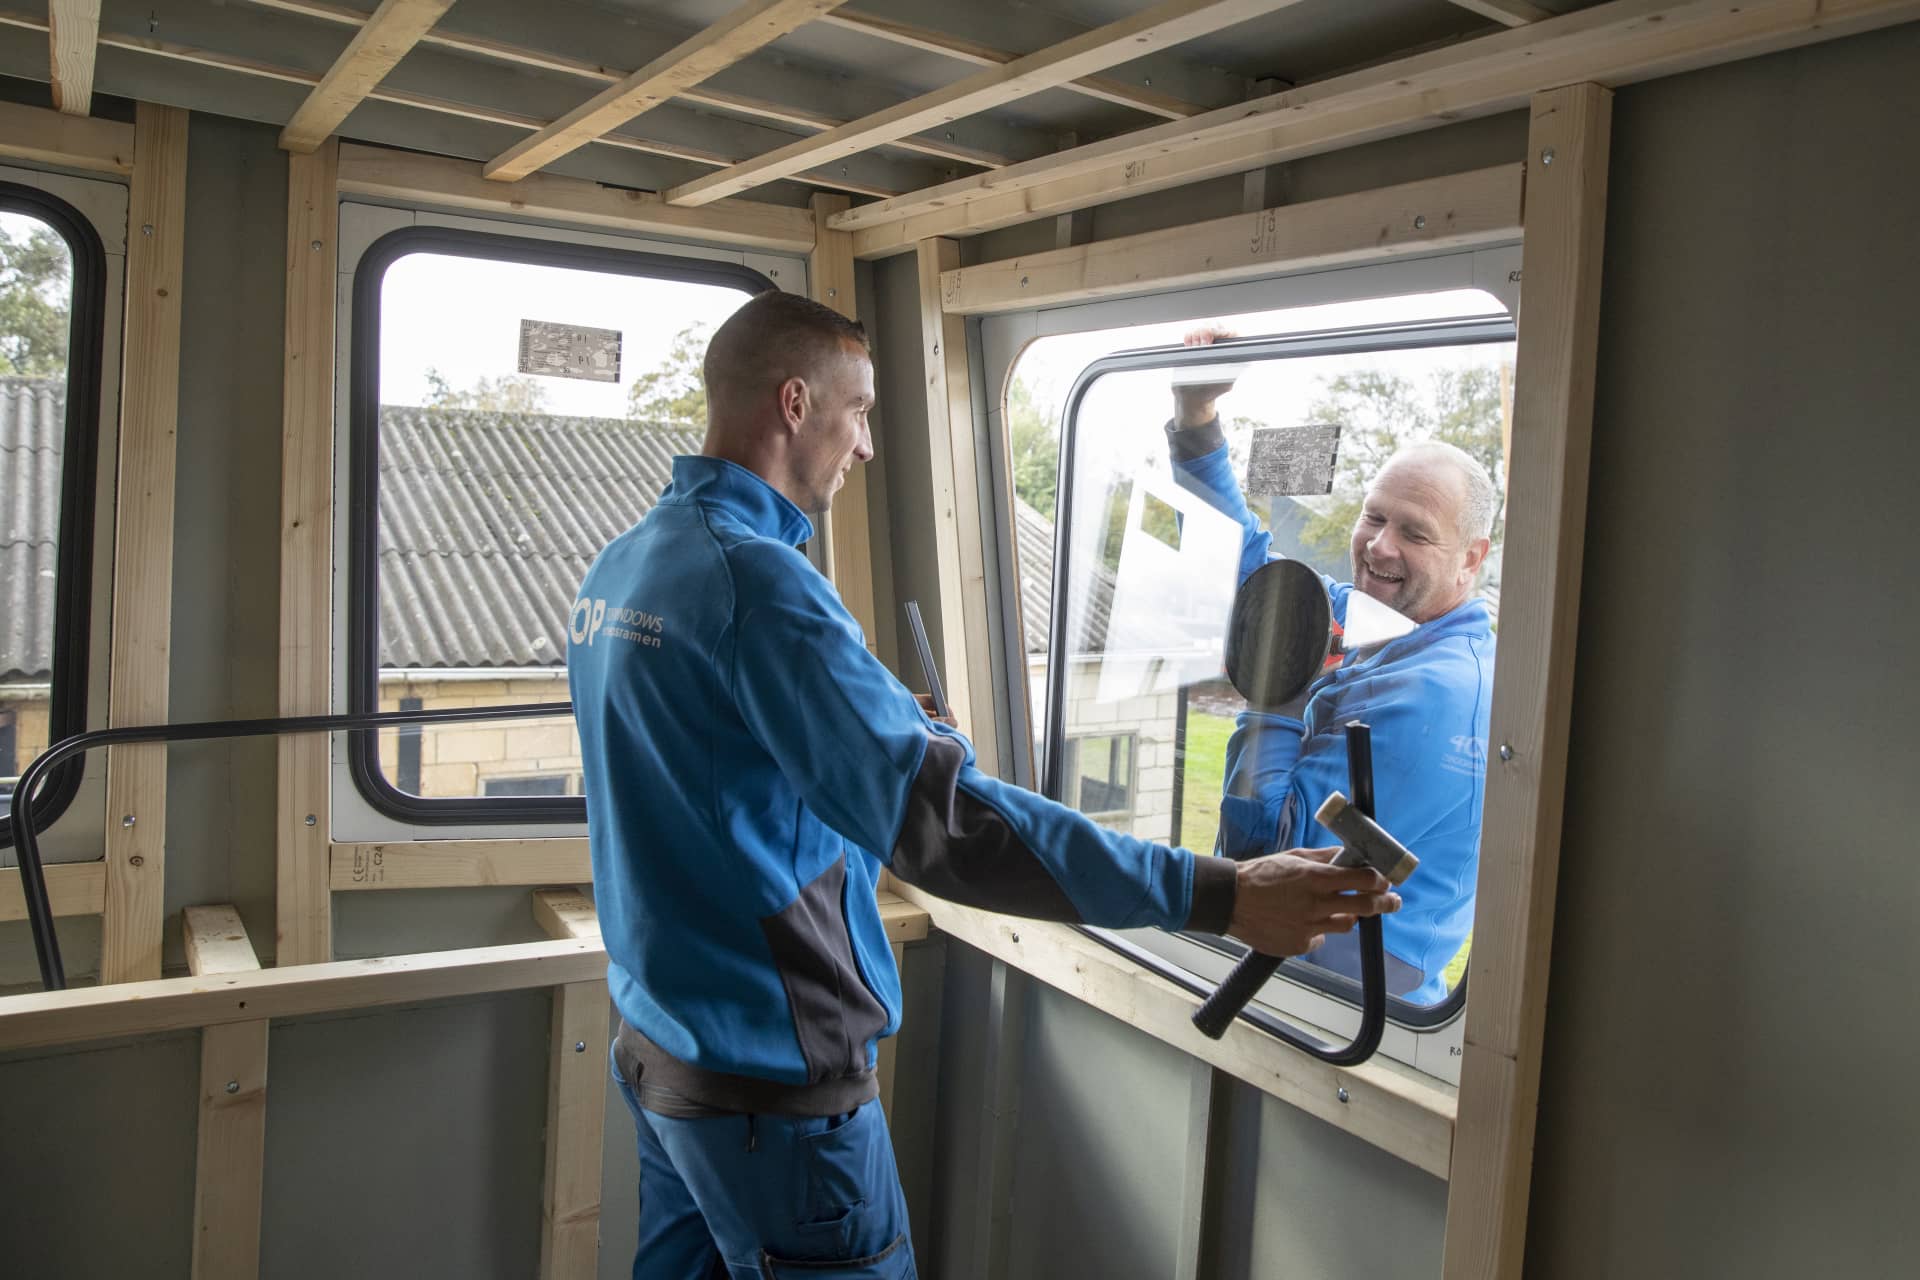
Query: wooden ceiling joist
point(1151, 101)
point(1611, 44)
point(395, 27)
point(747, 28)
point(1508, 13)
point(700, 95)
point(72, 28)
point(1166, 23)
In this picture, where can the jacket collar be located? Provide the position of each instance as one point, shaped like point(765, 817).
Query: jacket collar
point(715, 482)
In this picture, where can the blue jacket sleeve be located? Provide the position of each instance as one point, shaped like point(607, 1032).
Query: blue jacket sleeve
point(854, 745)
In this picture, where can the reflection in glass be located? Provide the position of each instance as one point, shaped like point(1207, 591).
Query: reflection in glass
point(528, 414)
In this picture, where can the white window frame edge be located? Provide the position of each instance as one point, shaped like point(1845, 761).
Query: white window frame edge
point(361, 223)
point(1433, 1052)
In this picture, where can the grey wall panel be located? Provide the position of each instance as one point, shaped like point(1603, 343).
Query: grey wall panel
point(408, 1142)
point(226, 577)
point(1727, 1086)
point(383, 922)
point(96, 1159)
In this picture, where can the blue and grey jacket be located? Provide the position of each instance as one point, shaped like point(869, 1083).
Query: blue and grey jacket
point(1428, 697)
point(750, 767)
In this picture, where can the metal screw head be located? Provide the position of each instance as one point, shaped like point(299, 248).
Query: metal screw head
point(233, 1086)
point(315, 246)
point(1546, 156)
point(1341, 1094)
point(1420, 222)
point(1506, 752)
point(833, 293)
point(1148, 81)
point(579, 1046)
point(949, 135)
point(127, 821)
point(146, 228)
point(1023, 282)
point(1016, 937)
point(312, 820)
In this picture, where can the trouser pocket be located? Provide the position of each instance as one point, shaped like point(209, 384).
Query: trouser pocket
point(895, 1262)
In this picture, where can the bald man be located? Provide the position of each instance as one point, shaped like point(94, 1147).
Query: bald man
point(1418, 546)
point(750, 768)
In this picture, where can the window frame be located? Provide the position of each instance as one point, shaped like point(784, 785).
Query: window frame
point(1132, 738)
point(360, 572)
point(79, 489)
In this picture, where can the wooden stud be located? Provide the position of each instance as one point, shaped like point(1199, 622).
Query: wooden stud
point(1203, 1086)
point(395, 27)
point(749, 27)
point(457, 184)
point(73, 27)
point(1567, 150)
point(1453, 212)
point(73, 889)
point(576, 1100)
point(1167, 22)
point(963, 645)
point(1508, 13)
point(81, 1014)
point(76, 142)
point(304, 910)
point(1614, 43)
point(1388, 1106)
point(450, 864)
point(1164, 105)
point(566, 913)
point(233, 1109)
point(849, 553)
point(143, 546)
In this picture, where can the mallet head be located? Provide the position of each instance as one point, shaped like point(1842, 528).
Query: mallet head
point(1366, 841)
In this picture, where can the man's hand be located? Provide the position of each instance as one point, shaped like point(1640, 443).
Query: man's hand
point(926, 708)
point(1193, 404)
point(1285, 903)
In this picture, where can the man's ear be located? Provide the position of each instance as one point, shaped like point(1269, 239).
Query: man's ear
point(1476, 555)
point(795, 399)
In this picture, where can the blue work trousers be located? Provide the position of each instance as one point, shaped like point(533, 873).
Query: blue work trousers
point(739, 1197)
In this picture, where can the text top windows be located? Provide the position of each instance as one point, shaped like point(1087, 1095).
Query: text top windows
point(1159, 529)
point(526, 403)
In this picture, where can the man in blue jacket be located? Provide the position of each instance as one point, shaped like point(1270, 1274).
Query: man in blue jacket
point(1417, 547)
point(750, 767)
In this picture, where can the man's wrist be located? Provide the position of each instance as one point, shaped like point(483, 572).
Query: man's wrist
point(1188, 443)
point(1215, 889)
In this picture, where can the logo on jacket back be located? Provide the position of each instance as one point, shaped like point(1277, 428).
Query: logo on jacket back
point(591, 618)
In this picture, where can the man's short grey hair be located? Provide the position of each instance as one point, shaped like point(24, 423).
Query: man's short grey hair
point(1481, 501)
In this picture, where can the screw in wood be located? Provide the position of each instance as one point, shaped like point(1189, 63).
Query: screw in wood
point(233, 1086)
point(1342, 1095)
point(579, 1046)
point(312, 821)
point(1506, 752)
point(1420, 222)
point(127, 821)
point(1546, 156)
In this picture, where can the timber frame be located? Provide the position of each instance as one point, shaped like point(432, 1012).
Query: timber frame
point(1561, 69)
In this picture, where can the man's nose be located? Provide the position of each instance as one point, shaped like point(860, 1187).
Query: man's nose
point(863, 448)
point(1382, 544)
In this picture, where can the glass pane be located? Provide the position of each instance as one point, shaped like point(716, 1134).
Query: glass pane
point(36, 306)
point(528, 413)
point(1163, 527)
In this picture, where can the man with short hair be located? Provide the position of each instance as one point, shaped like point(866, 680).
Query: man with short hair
point(1418, 546)
point(750, 767)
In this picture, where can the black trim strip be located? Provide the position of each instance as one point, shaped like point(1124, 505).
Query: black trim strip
point(73, 581)
point(363, 506)
point(1402, 337)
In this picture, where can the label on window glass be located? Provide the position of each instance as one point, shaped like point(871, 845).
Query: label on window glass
point(569, 351)
point(1289, 461)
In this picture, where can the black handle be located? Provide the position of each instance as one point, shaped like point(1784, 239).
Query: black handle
point(33, 877)
point(1217, 1012)
point(934, 691)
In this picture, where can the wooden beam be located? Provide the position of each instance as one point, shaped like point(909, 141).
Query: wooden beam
point(82, 1014)
point(449, 864)
point(749, 27)
point(303, 908)
point(1164, 105)
point(904, 921)
point(72, 28)
point(1165, 23)
point(1567, 149)
point(395, 27)
point(233, 1109)
point(1613, 44)
point(1453, 212)
point(848, 538)
point(1508, 13)
point(576, 1100)
point(962, 645)
point(143, 546)
point(1391, 1107)
point(216, 941)
point(48, 137)
point(458, 184)
point(73, 889)
point(700, 96)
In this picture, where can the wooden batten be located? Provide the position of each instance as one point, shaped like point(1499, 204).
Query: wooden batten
point(228, 1170)
point(1454, 212)
point(848, 539)
point(456, 864)
point(143, 546)
point(576, 1100)
point(74, 142)
point(73, 889)
point(394, 28)
point(304, 912)
point(1567, 149)
point(73, 33)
